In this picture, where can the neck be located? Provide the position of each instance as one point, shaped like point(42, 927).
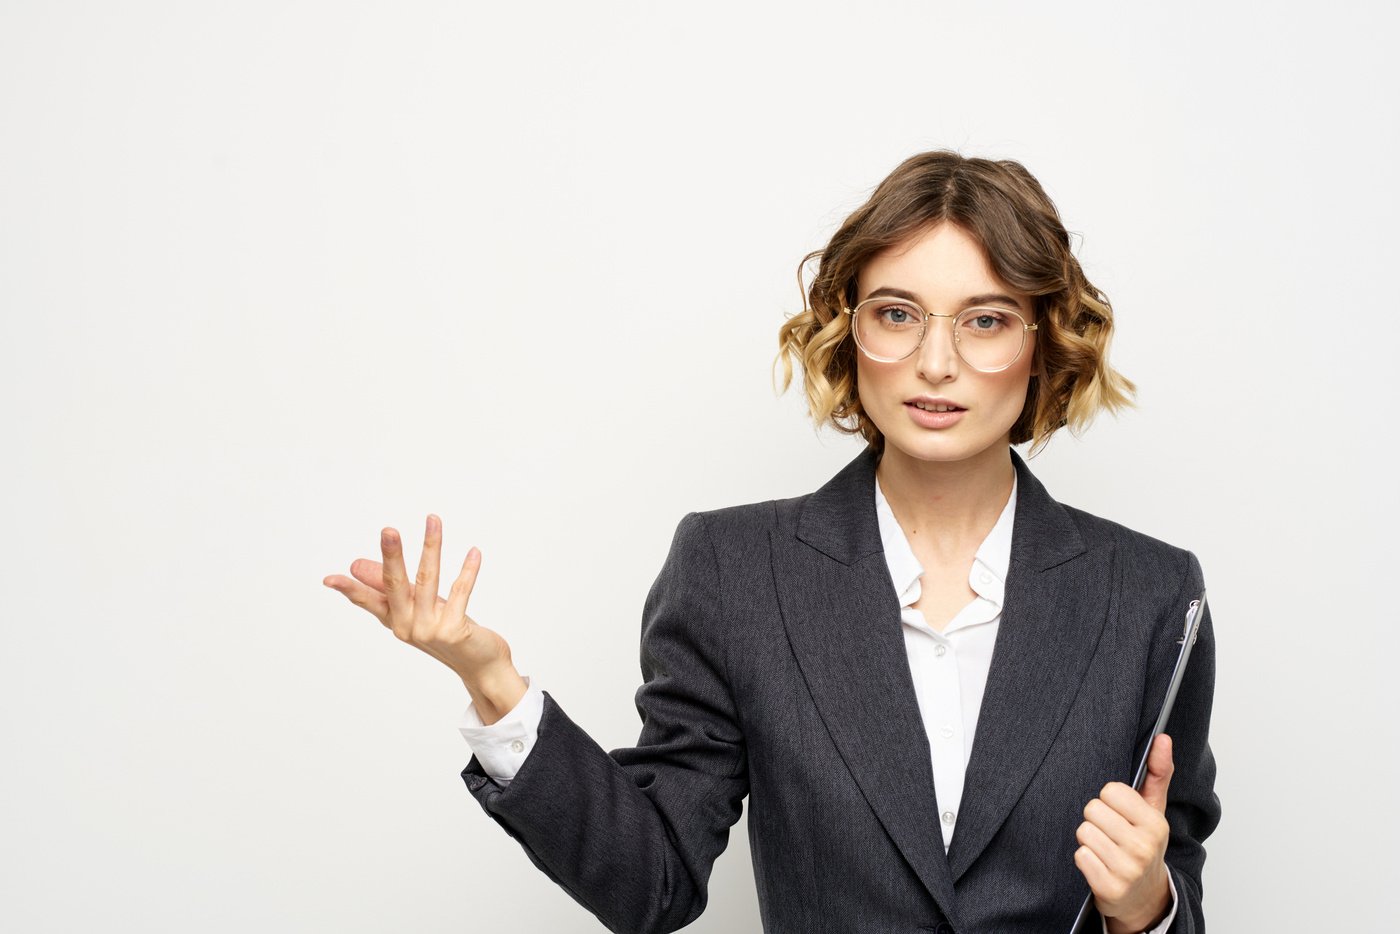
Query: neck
point(947, 504)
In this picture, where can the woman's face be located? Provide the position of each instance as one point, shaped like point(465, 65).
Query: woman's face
point(944, 270)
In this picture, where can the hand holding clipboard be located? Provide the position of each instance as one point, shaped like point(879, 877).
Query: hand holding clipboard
point(1195, 611)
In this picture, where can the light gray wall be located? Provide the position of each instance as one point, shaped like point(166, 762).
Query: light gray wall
point(274, 276)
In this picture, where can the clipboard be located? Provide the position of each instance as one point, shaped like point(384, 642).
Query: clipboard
point(1195, 612)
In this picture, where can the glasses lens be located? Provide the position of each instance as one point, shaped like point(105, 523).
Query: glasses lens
point(989, 338)
point(888, 328)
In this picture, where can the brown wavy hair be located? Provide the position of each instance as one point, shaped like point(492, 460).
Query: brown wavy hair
point(1005, 209)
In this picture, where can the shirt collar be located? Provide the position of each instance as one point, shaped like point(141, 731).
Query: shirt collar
point(989, 568)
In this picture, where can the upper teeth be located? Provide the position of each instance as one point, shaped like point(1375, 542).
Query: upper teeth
point(929, 407)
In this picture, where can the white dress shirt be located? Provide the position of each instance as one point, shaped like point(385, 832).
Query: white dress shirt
point(949, 669)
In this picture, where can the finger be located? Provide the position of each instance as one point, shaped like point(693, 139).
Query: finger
point(372, 573)
point(368, 572)
point(1093, 869)
point(1114, 825)
point(462, 587)
point(1110, 855)
point(425, 590)
point(395, 579)
point(1129, 803)
point(362, 596)
point(1159, 773)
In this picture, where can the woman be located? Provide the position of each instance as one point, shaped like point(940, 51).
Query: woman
point(834, 656)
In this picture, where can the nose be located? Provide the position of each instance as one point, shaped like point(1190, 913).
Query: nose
point(938, 358)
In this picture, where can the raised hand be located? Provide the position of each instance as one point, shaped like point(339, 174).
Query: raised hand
point(417, 615)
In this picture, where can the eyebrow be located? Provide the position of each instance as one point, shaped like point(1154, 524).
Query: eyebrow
point(987, 298)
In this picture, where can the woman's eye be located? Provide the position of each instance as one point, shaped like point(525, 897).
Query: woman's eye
point(988, 321)
point(897, 314)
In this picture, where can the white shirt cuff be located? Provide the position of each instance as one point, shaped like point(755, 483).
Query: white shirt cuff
point(503, 746)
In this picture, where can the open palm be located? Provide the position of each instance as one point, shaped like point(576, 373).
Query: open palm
point(416, 614)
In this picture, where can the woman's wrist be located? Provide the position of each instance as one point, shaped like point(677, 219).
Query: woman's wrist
point(495, 692)
point(1145, 922)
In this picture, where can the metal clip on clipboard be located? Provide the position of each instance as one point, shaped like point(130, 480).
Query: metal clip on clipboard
point(1194, 613)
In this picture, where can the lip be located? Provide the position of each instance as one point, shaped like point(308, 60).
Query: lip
point(933, 419)
point(934, 400)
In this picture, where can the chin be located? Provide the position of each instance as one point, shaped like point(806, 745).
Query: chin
point(941, 448)
point(945, 445)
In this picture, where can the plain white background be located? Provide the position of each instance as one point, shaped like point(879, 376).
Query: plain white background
point(277, 275)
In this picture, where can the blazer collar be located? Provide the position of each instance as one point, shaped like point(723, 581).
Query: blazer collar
point(842, 618)
point(839, 518)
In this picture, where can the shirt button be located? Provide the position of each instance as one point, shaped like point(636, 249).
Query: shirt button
point(985, 578)
point(946, 732)
point(940, 649)
point(517, 746)
point(947, 817)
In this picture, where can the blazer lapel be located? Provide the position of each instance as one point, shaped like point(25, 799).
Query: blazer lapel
point(1053, 611)
point(843, 622)
point(842, 617)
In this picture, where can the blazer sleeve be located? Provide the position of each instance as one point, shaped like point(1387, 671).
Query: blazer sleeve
point(1193, 808)
point(632, 834)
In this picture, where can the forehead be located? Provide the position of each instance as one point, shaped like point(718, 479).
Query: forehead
point(939, 265)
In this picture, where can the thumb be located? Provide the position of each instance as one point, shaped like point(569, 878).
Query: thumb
point(1159, 773)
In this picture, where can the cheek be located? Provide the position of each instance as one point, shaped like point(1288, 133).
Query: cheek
point(1012, 391)
point(870, 380)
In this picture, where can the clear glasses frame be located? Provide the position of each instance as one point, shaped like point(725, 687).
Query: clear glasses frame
point(923, 330)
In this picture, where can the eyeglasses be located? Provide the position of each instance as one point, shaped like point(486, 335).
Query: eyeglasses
point(987, 339)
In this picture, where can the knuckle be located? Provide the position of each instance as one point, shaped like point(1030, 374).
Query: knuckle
point(432, 632)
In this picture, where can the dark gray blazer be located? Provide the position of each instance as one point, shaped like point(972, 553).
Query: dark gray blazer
point(774, 666)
